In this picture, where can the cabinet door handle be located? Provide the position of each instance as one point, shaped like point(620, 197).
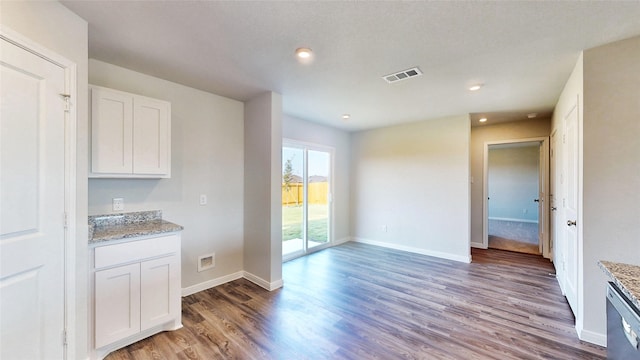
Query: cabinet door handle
point(553, 208)
point(571, 223)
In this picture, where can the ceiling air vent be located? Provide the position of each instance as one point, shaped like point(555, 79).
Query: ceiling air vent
point(402, 75)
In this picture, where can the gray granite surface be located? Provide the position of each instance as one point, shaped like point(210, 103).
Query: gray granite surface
point(128, 225)
point(626, 277)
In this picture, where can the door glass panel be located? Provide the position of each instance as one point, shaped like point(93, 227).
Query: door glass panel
point(292, 200)
point(318, 198)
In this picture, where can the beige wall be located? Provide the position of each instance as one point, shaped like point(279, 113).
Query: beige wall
point(207, 157)
point(300, 130)
point(56, 28)
point(611, 168)
point(492, 133)
point(413, 180)
point(263, 190)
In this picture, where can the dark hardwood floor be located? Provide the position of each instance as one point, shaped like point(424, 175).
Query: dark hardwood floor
point(358, 301)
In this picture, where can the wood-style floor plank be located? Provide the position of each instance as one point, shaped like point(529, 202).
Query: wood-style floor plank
point(358, 301)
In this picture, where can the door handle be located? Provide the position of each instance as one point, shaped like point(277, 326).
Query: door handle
point(571, 223)
point(553, 208)
point(536, 200)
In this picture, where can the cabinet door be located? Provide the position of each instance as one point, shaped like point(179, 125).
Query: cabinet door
point(117, 303)
point(111, 135)
point(151, 136)
point(160, 291)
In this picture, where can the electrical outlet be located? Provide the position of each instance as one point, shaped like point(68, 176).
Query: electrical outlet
point(206, 262)
point(118, 204)
point(203, 199)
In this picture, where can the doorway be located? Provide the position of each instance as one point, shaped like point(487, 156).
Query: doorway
point(306, 198)
point(516, 182)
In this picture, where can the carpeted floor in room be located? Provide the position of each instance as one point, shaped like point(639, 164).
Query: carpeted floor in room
point(514, 236)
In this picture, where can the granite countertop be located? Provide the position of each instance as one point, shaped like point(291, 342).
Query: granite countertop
point(109, 227)
point(626, 277)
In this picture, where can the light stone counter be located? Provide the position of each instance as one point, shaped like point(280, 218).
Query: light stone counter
point(626, 277)
point(128, 225)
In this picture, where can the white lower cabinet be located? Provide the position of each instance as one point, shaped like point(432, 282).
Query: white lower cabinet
point(136, 291)
point(156, 292)
point(117, 299)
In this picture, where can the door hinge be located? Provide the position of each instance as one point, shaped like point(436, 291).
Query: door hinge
point(67, 101)
point(64, 337)
point(66, 220)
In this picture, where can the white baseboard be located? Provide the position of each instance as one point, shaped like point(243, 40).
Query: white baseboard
point(592, 337)
point(270, 286)
point(514, 220)
point(243, 274)
point(262, 282)
point(478, 245)
point(231, 277)
point(342, 241)
point(438, 254)
point(211, 283)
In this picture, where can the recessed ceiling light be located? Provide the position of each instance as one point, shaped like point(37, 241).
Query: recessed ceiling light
point(532, 115)
point(303, 53)
point(475, 87)
point(346, 117)
point(483, 120)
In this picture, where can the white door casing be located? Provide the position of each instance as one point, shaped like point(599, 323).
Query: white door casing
point(570, 206)
point(555, 224)
point(34, 202)
point(543, 191)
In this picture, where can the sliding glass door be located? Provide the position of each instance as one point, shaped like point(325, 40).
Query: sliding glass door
point(306, 198)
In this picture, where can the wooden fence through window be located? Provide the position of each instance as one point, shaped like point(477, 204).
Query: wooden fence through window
point(318, 193)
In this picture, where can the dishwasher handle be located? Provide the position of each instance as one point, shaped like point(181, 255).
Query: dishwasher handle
point(631, 335)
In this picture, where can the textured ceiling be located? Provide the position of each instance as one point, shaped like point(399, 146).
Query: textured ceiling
point(523, 52)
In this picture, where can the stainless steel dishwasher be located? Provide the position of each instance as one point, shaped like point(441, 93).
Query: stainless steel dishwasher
point(623, 326)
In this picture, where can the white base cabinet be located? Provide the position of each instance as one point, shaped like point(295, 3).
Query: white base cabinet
point(136, 291)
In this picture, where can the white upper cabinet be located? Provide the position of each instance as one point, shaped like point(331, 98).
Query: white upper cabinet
point(130, 135)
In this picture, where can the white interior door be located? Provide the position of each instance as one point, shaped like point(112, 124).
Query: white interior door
point(570, 203)
point(32, 205)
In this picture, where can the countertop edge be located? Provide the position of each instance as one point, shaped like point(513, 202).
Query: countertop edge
point(115, 233)
point(620, 279)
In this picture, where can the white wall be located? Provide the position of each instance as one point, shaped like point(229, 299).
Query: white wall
point(413, 179)
point(55, 27)
point(207, 158)
point(513, 182)
point(611, 168)
point(305, 131)
point(263, 190)
point(491, 133)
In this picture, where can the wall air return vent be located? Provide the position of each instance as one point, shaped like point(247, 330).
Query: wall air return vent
point(402, 75)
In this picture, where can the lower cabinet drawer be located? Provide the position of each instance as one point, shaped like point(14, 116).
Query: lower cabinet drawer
point(112, 255)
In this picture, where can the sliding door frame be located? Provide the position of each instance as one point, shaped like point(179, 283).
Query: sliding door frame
point(306, 146)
